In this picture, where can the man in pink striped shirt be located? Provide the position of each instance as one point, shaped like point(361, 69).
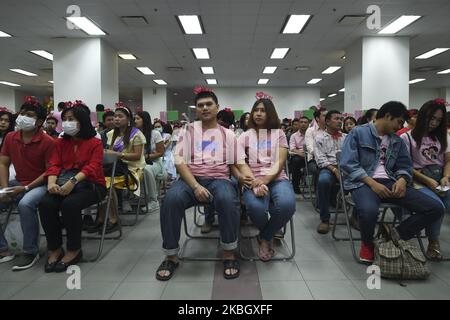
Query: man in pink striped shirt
point(297, 153)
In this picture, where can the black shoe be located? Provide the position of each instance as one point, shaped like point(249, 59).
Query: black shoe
point(62, 266)
point(25, 261)
point(111, 227)
point(88, 222)
point(297, 191)
point(50, 266)
point(94, 228)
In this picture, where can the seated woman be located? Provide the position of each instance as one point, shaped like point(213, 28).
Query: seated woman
point(266, 149)
point(75, 181)
point(429, 146)
point(154, 171)
point(168, 159)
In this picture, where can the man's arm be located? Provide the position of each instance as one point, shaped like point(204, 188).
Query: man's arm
point(349, 162)
point(4, 170)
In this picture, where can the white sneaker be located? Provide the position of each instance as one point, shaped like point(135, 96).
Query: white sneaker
point(153, 206)
point(6, 256)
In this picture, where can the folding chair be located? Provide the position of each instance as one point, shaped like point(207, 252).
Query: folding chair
point(139, 210)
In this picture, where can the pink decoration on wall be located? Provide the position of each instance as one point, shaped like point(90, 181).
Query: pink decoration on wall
point(358, 114)
point(298, 114)
point(163, 116)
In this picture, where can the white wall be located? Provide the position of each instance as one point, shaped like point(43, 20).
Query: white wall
point(7, 97)
point(154, 100)
point(418, 96)
point(353, 77)
point(109, 76)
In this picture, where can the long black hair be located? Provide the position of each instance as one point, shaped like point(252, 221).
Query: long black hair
point(147, 126)
point(423, 121)
point(80, 113)
point(126, 137)
point(242, 121)
point(10, 127)
point(272, 120)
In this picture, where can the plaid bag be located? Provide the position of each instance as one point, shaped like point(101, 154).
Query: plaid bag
point(399, 259)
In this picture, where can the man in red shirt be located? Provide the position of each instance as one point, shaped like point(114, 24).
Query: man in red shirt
point(29, 150)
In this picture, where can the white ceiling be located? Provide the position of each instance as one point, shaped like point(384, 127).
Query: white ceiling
point(239, 33)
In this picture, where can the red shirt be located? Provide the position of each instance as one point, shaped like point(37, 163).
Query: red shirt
point(402, 131)
point(29, 159)
point(86, 155)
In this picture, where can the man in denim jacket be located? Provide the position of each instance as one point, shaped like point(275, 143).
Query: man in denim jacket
point(377, 168)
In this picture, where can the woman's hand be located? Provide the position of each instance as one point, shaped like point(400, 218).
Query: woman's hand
point(245, 180)
point(261, 191)
point(445, 182)
point(432, 184)
point(53, 188)
point(107, 151)
point(66, 188)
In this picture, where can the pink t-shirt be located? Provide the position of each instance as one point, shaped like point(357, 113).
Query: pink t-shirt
point(262, 151)
point(297, 141)
point(380, 171)
point(208, 153)
point(428, 153)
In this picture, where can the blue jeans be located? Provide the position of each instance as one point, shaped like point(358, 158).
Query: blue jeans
point(326, 184)
point(434, 230)
point(279, 202)
point(426, 210)
point(209, 210)
point(181, 197)
point(27, 205)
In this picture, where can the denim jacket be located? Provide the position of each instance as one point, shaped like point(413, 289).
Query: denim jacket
point(361, 154)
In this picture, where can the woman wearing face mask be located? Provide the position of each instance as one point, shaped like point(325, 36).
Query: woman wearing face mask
point(75, 181)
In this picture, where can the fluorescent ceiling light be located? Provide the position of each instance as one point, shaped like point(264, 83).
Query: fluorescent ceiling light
point(342, 90)
point(192, 107)
point(321, 99)
point(43, 54)
point(331, 70)
point(207, 70)
point(314, 81)
point(4, 35)
point(87, 26)
point(332, 95)
point(160, 82)
point(10, 84)
point(432, 53)
point(51, 81)
point(444, 71)
point(417, 80)
point(398, 24)
point(263, 81)
point(269, 70)
point(30, 74)
point(296, 23)
point(127, 56)
point(201, 53)
point(191, 24)
point(279, 53)
point(145, 70)
point(211, 81)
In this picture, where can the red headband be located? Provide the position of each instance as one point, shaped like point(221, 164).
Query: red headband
point(121, 105)
point(262, 95)
point(228, 110)
point(31, 100)
point(199, 89)
point(441, 102)
point(5, 109)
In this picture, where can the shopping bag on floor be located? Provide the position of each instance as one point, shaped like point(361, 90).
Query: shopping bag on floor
point(14, 234)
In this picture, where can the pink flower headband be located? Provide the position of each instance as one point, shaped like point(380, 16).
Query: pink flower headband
point(441, 102)
point(121, 105)
point(262, 95)
point(31, 100)
point(5, 109)
point(199, 89)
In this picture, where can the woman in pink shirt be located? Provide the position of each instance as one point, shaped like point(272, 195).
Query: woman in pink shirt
point(266, 149)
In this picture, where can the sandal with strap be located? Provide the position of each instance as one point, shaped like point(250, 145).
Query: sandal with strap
point(434, 251)
point(228, 265)
point(166, 265)
point(265, 253)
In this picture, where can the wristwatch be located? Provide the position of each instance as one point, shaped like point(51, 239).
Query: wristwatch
point(73, 180)
point(27, 188)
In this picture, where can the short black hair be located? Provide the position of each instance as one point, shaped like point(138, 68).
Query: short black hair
point(61, 106)
point(99, 108)
point(303, 117)
point(295, 120)
point(36, 107)
point(395, 108)
point(87, 131)
point(330, 114)
point(107, 114)
point(167, 128)
point(318, 112)
point(52, 118)
point(226, 116)
point(206, 94)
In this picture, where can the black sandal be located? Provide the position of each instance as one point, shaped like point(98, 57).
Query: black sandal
point(228, 265)
point(166, 265)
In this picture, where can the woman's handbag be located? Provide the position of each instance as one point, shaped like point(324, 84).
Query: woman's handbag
point(66, 174)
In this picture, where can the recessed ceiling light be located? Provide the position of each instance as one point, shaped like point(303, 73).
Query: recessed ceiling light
point(269, 70)
point(10, 84)
point(295, 23)
point(342, 90)
point(332, 95)
point(263, 81)
point(127, 56)
point(192, 107)
point(30, 74)
point(314, 81)
point(190, 24)
point(343, 57)
point(444, 71)
point(321, 99)
point(432, 53)
point(279, 53)
point(331, 70)
point(160, 82)
point(175, 93)
point(416, 80)
point(5, 35)
point(211, 81)
point(145, 70)
point(398, 24)
point(44, 54)
point(87, 26)
point(207, 70)
point(201, 53)
point(51, 81)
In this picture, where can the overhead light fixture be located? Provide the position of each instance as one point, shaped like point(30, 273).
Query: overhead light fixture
point(87, 26)
point(342, 90)
point(207, 70)
point(279, 53)
point(444, 71)
point(417, 80)
point(331, 70)
point(145, 70)
point(191, 24)
point(201, 53)
point(160, 82)
point(44, 54)
point(432, 53)
point(321, 99)
point(127, 56)
point(295, 23)
point(398, 24)
point(314, 81)
point(51, 81)
point(332, 95)
point(343, 57)
point(263, 81)
point(211, 81)
point(269, 70)
point(192, 107)
point(5, 35)
point(6, 83)
point(26, 73)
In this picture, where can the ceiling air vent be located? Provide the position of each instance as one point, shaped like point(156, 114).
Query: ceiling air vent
point(134, 21)
point(174, 68)
point(426, 69)
point(352, 19)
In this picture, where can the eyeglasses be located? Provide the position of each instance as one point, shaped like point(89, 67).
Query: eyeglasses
point(206, 104)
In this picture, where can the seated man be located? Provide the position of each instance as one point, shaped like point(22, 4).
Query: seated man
point(50, 129)
point(328, 143)
point(378, 168)
point(202, 159)
point(29, 150)
point(296, 150)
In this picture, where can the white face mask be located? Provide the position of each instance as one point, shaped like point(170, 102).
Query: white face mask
point(70, 128)
point(26, 123)
point(159, 129)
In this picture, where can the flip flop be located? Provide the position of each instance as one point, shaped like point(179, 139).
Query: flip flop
point(166, 265)
point(231, 264)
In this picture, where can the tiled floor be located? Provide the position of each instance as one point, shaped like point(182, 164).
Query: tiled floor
point(321, 269)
